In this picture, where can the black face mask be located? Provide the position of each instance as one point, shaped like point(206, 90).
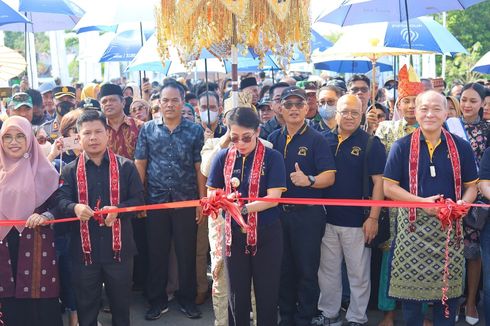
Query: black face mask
point(64, 107)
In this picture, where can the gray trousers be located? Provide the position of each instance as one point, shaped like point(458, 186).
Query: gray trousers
point(347, 243)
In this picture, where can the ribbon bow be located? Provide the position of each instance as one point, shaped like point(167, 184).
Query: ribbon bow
point(450, 213)
point(219, 200)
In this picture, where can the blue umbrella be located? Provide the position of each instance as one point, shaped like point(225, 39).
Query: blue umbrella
point(124, 46)
point(148, 59)
point(9, 15)
point(483, 65)
point(425, 34)
point(358, 66)
point(47, 15)
point(353, 12)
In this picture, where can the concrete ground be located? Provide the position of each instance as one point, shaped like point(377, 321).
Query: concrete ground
point(175, 318)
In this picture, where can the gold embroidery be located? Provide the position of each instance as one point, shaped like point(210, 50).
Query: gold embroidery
point(356, 151)
point(303, 151)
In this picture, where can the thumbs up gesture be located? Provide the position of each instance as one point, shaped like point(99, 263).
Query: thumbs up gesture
point(298, 177)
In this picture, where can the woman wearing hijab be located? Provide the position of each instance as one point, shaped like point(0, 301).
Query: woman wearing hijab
point(28, 269)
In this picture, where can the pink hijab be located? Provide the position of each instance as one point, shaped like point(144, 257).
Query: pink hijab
point(25, 183)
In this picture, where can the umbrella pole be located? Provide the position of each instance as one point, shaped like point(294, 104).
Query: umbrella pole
point(272, 71)
point(234, 65)
point(408, 31)
point(373, 91)
point(144, 72)
point(207, 92)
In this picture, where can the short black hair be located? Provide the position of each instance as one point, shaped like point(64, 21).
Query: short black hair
point(210, 94)
point(244, 117)
point(189, 96)
point(91, 115)
point(338, 91)
point(359, 77)
point(174, 85)
point(277, 85)
point(201, 88)
point(37, 98)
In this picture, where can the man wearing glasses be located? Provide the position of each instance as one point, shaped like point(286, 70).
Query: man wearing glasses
point(310, 168)
point(359, 85)
point(277, 121)
point(348, 229)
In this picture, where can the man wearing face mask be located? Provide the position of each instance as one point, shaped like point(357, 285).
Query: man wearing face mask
point(38, 117)
point(327, 100)
point(64, 101)
point(209, 111)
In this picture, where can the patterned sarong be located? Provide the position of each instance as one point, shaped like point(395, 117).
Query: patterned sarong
point(417, 260)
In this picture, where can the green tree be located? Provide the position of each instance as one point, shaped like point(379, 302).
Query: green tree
point(459, 68)
point(471, 25)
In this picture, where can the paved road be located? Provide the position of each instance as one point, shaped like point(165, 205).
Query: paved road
point(175, 318)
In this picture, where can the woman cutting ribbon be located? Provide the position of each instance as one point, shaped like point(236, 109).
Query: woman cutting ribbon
point(29, 285)
point(253, 253)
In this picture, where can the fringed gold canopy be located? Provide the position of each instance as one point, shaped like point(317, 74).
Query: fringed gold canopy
point(217, 25)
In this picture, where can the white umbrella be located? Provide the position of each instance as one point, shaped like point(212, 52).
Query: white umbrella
point(11, 63)
point(483, 65)
point(366, 46)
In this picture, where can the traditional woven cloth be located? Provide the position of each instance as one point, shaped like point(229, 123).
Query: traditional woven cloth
point(417, 260)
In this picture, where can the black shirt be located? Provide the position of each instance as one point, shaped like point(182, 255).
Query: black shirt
point(131, 194)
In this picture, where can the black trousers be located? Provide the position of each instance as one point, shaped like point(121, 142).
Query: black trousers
point(87, 282)
point(299, 290)
point(163, 226)
point(140, 270)
point(263, 269)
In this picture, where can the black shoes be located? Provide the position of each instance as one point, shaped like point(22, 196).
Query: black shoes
point(190, 310)
point(156, 312)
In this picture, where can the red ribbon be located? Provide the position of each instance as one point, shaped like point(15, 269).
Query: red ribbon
point(219, 200)
point(288, 201)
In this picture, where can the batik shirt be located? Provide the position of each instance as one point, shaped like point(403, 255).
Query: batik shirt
point(171, 157)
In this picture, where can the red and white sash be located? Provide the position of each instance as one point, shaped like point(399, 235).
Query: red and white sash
point(83, 199)
point(253, 192)
point(414, 169)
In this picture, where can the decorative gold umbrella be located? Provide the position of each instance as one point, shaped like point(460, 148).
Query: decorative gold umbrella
point(11, 63)
point(223, 26)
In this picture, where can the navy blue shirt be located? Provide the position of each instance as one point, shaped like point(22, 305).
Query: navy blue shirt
point(485, 166)
point(273, 175)
point(171, 156)
point(310, 150)
point(443, 183)
point(349, 159)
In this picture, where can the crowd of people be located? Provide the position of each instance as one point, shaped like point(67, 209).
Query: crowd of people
point(71, 151)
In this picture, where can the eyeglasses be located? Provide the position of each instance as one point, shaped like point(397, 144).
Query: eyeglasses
point(328, 102)
point(353, 114)
point(289, 105)
point(19, 138)
point(381, 116)
point(265, 108)
point(359, 89)
point(245, 139)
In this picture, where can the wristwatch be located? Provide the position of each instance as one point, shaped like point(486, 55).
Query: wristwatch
point(244, 210)
point(312, 180)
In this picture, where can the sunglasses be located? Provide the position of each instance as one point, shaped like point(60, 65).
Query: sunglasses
point(21, 98)
point(359, 89)
point(289, 105)
point(245, 139)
